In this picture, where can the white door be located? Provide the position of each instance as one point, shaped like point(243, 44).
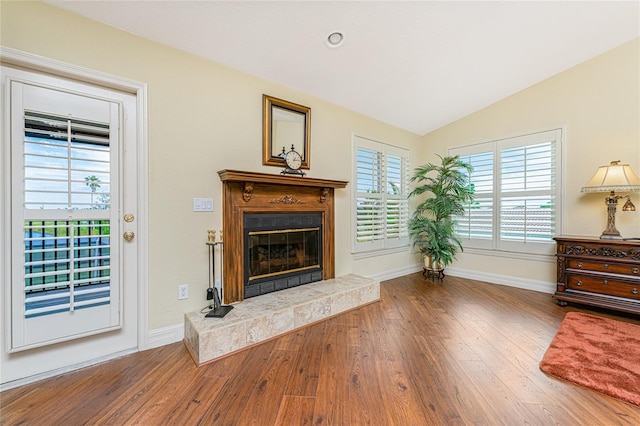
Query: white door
point(73, 181)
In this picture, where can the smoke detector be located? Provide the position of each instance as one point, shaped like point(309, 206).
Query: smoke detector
point(335, 39)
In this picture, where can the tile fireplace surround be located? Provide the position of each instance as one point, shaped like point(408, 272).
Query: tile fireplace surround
point(258, 319)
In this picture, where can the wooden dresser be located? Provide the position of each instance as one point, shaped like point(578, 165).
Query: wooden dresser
point(604, 273)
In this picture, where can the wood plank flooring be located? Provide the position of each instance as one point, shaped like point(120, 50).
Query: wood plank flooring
point(457, 352)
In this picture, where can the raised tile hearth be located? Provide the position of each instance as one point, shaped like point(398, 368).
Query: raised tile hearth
point(264, 317)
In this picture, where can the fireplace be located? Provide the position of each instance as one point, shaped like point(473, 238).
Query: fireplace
point(281, 250)
point(278, 232)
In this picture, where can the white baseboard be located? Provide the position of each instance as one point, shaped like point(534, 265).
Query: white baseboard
point(523, 283)
point(158, 337)
point(395, 273)
point(58, 371)
point(165, 336)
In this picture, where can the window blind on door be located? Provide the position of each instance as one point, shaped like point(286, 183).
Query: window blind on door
point(66, 167)
point(67, 266)
point(66, 163)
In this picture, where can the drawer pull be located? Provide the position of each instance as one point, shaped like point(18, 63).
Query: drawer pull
point(579, 283)
point(579, 264)
point(635, 270)
point(606, 265)
point(606, 282)
point(634, 291)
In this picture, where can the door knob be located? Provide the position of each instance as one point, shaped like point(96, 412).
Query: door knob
point(129, 235)
point(129, 217)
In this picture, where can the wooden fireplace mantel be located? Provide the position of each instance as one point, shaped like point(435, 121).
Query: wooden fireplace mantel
point(251, 192)
point(238, 176)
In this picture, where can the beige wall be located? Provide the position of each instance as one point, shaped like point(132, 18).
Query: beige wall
point(598, 102)
point(203, 117)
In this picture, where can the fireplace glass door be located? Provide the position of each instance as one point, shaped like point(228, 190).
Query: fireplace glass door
point(273, 253)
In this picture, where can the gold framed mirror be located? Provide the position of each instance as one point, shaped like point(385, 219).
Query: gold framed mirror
point(285, 124)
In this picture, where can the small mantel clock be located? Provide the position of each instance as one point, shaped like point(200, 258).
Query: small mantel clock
point(293, 161)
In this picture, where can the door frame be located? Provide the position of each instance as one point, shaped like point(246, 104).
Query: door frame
point(35, 63)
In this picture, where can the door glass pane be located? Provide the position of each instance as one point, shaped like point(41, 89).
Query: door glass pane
point(66, 166)
point(67, 266)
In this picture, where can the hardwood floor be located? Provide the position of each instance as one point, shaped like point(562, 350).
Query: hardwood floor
point(460, 352)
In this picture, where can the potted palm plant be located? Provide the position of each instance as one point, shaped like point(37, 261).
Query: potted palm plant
point(432, 225)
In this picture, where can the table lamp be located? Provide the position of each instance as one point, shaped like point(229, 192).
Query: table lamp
point(612, 178)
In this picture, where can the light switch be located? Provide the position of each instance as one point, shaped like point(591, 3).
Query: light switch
point(203, 204)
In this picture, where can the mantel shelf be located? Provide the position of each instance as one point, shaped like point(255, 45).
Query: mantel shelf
point(240, 176)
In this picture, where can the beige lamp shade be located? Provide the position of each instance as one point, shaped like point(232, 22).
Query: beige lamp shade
point(614, 177)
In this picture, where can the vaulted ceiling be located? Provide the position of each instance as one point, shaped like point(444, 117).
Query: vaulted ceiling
point(417, 65)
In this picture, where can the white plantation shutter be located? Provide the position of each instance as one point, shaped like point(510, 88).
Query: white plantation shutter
point(66, 261)
point(517, 193)
point(476, 226)
point(397, 185)
point(66, 163)
point(528, 190)
point(369, 199)
point(67, 266)
point(381, 176)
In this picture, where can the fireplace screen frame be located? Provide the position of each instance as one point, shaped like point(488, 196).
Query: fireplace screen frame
point(281, 224)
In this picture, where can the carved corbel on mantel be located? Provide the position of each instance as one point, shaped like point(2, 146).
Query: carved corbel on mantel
point(324, 193)
point(247, 193)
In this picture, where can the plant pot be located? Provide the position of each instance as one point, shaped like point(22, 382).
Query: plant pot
point(430, 265)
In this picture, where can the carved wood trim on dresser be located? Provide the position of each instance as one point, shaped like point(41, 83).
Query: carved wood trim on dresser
point(251, 192)
point(603, 273)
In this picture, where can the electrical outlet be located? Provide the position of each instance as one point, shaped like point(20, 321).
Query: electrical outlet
point(183, 291)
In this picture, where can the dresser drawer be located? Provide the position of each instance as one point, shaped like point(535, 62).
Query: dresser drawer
point(604, 286)
point(614, 268)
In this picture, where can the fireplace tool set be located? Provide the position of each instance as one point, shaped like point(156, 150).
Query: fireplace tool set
point(217, 310)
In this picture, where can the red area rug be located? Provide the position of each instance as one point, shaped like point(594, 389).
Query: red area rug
point(598, 353)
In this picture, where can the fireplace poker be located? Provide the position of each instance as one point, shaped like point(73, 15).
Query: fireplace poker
point(218, 310)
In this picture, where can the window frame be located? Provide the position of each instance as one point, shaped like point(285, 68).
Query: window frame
point(496, 244)
point(384, 245)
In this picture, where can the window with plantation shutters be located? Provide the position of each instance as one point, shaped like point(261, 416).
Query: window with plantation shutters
point(517, 193)
point(381, 210)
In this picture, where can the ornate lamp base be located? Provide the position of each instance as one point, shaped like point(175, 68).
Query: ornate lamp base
point(611, 233)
